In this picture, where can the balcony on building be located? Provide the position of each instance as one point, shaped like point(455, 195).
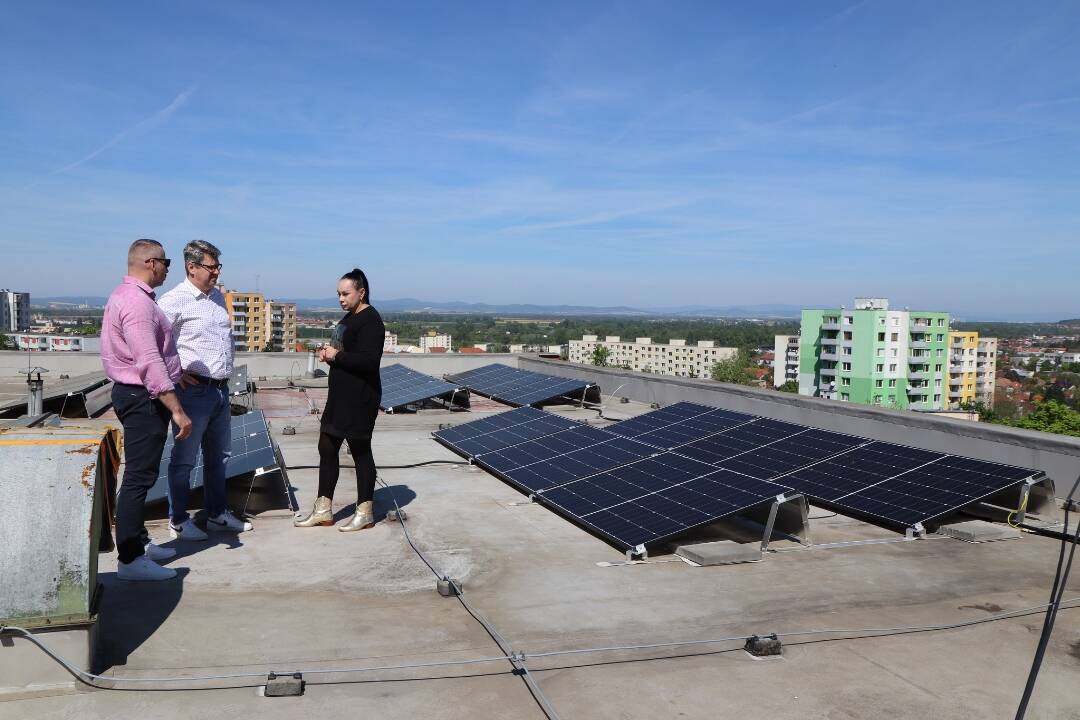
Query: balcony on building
point(919, 375)
point(918, 389)
point(828, 371)
point(830, 326)
point(832, 356)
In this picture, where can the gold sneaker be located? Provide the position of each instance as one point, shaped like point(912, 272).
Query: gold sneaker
point(362, 520)
point(321, 514)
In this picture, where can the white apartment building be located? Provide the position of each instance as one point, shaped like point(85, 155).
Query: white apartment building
point(785, 360)
point(432, 339)
point(985, 366)
point(390, 342)
point(673, 358)
point(58, 343)
point(14, 311)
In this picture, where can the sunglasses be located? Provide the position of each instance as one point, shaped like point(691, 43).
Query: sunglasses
point(164, 261)
point(210, 268)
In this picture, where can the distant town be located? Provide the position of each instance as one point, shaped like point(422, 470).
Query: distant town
point(1021, 374)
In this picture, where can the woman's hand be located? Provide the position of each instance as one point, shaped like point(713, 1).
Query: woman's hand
point(328, 353)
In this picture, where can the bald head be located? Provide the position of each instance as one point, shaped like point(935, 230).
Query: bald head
point(146, 261)
point(143, 249)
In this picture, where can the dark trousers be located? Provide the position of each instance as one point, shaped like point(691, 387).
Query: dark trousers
point(360, 449)
point(146, 425)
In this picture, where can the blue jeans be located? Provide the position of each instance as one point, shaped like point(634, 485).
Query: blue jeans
point(209, 410)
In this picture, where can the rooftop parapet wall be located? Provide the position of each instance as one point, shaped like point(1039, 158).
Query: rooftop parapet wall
point(1056, 455)
point(276, 365)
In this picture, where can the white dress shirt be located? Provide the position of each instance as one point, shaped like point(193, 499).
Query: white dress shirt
point(201, 329)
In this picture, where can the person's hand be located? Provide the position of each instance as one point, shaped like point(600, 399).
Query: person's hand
point(187, 379)
point(181, 425)
point(329, 353)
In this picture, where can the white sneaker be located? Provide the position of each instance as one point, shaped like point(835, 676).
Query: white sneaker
point(143, 568)
point(157, 553)
point(187, 530)
point(227, 522)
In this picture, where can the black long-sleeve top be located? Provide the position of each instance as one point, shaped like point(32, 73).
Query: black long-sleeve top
point(355, 388)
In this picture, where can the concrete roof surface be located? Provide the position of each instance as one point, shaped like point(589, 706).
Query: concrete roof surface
point(281, 598)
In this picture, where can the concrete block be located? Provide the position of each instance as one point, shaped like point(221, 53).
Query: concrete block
point(763, 645)
point(722, 552)
point(975, 531)
point(284, 685)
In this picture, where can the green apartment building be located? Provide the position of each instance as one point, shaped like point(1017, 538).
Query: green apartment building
point(876, 356)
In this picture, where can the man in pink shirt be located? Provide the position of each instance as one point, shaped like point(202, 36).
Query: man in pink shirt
point(138, 355)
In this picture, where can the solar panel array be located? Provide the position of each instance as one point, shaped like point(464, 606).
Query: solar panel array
point(251, 449)
point(647, 479)
point(402, 386)
point(518, 387)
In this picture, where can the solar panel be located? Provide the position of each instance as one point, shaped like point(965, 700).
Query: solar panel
point(647, 479)
point(519, 387)
point(657, 419)
point(693, 428)
point(65, 397)
point(931, 490)
point(251, 449)
point(562, 458)
point(238, 381)
point(859, 468)
point(657, 498)
point(501, 430)
point(402, 386)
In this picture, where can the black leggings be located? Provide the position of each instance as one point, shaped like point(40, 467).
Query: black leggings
point(360, 448)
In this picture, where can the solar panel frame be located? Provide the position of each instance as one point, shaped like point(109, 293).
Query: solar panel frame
point(403, 386)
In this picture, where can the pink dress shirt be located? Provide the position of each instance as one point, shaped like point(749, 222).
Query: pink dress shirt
point(137, 346)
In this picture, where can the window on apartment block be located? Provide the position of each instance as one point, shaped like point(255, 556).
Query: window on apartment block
point(845, 396)
point(941, 322)
point(937, 398)
point(881, 337)
point(879, 367)
point(847, 334)
point(846, 351)
point(846, 381)
point(881, 352)
point(845, 366)
point(894, 337)
point(940, 352)
point(893, 352)
point(879, 383)
point(877, 399)
point(892, 367)
point(940, 338)
point(892, 383)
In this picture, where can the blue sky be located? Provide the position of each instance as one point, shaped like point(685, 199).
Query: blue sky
point(647, 154)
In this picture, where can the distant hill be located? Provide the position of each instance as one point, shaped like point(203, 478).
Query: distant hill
point(406, 305)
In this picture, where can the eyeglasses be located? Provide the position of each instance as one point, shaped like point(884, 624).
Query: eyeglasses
point(164, 261)
point(210, 268)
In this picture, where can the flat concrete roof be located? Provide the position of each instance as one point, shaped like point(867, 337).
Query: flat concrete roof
point(281, 598)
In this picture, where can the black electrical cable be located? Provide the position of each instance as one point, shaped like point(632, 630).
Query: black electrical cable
point(499, 640)
point(1057, 589)
point(387, 467)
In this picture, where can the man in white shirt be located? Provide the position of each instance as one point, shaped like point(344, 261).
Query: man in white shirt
point(203, 335)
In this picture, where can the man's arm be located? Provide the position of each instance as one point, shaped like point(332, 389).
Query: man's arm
point(140, 333)
point(183, 422)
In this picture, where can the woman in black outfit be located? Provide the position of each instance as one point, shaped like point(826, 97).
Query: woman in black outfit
point(352, 402)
